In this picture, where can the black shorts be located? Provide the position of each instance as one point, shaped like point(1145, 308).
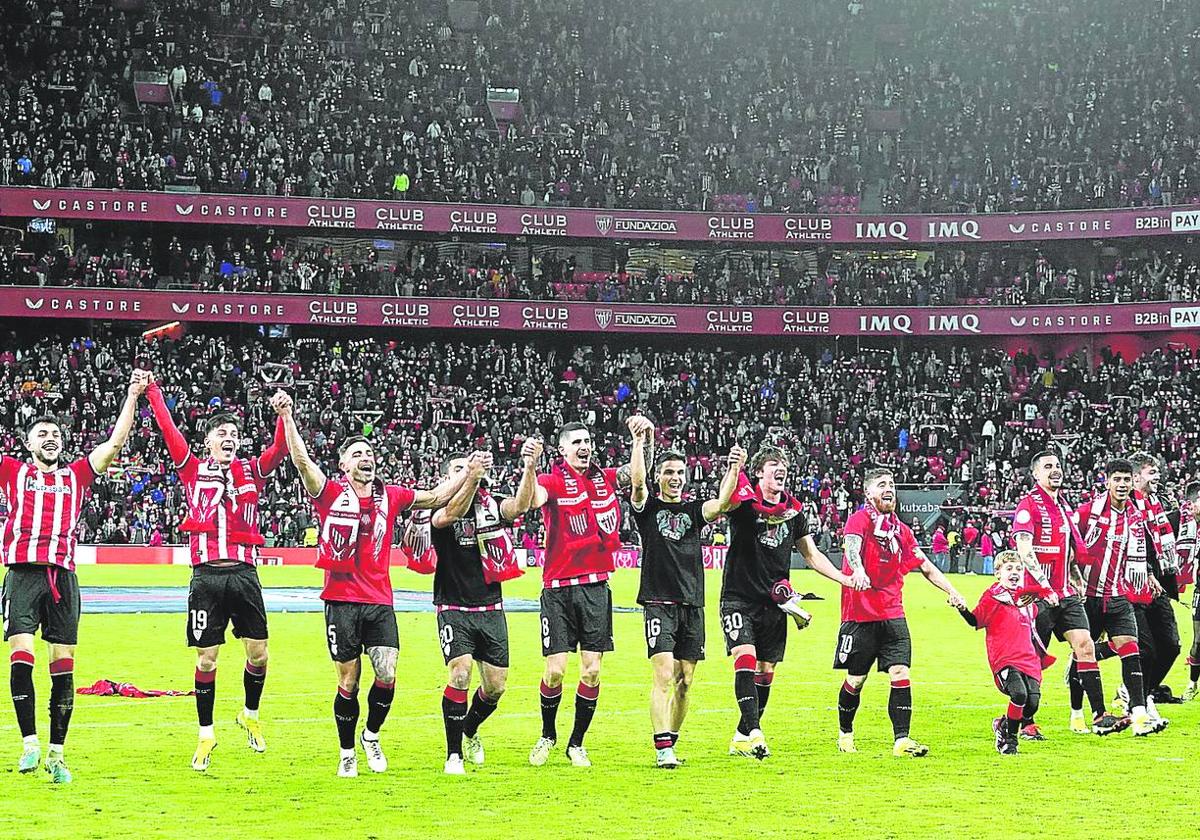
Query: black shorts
point(763, 625)
point(1113, 616)
point(481, 635)
point(1156, 623)
point(862, 644)
point(577, 616)
point(219, 595)
point(1062, 619)
point(677, 629)
point(351, 628)
point(28, 603)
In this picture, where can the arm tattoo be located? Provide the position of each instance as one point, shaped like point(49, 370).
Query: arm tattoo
point(853, 548)
point(383, 660)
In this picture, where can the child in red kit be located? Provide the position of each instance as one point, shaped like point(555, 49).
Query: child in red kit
point(1006, 612)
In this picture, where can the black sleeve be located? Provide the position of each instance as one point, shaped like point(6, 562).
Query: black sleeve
point(968, 616)
point(1173, 519)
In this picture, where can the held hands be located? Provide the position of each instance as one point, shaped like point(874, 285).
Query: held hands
point(736, 457)
point(639, 426)
point(858, 580)
point(956, 600)
point(531, 451)
point(282, 403)
point(479, 463)
point(139, 381)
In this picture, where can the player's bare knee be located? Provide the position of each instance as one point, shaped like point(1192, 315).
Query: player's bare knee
point(898, 672)
point(765, 667)
point(856, 681)
point(589, 668)
point(58, 652)
point(460, 673)
point(1085, 650)
point(383, 662)
point(256, 653)
point(556, 667)
point(494, 685)
point(21, 642)
point(206, 659)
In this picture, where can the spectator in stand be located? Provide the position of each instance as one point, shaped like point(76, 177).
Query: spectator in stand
point(941, 549)
point(970, 538)
point(764, 114)
point(987, 549)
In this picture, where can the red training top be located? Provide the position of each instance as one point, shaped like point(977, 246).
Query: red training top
point(886, 562)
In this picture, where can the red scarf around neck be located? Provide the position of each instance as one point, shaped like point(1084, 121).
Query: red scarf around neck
point(590, 507)
point(787, 506)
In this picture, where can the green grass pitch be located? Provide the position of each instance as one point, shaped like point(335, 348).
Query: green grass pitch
point(131, 757)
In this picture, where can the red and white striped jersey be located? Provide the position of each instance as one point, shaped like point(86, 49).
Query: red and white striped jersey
point(1113, 538)
point(222, 504)
point(44, 508)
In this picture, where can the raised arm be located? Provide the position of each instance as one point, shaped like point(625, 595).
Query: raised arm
point(638, 492)
point(715, 508)
point(310, 474)
point(274, 454)
point(460, 502)
point(514, 506)
point(104, 454)
point(441, 495)
point(177, 445)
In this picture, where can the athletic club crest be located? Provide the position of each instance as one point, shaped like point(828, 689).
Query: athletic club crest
point(773, 535)
point(673, 526)
point(608, 520)
point(464, 532)
point(604, 318)
point(604, 224)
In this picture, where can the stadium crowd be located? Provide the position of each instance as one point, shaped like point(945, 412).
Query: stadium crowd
point(262, 263)
point(765, 106)
point(952, 415)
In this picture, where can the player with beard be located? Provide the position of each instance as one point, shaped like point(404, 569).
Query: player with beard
point(1158, 633)
point(879, 551)
point(1048, 542)
point(1185, 522)
point(222, 493)
point(37, 547)
point(582, 517)
point(765, 525)
point(357, 513)
point(1114, 536)
point(474, 556)
point(672, 580)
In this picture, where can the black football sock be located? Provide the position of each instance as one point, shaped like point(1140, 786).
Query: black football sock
point(62, 699)
point(848, 700)
point(551, 696)
point(20, 683)
point(746, 694)
point(253, 680)
point(585, 707)
point(206, 696)
point(1012, 719)
point(1075, 685)
point(900, 708)
point(1194, 668)
point(762, 685)
point(1131, 673)
point(379, 703)
point(1089, 679)
point(481, 709)
point(345, 715)
point(454, 711)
